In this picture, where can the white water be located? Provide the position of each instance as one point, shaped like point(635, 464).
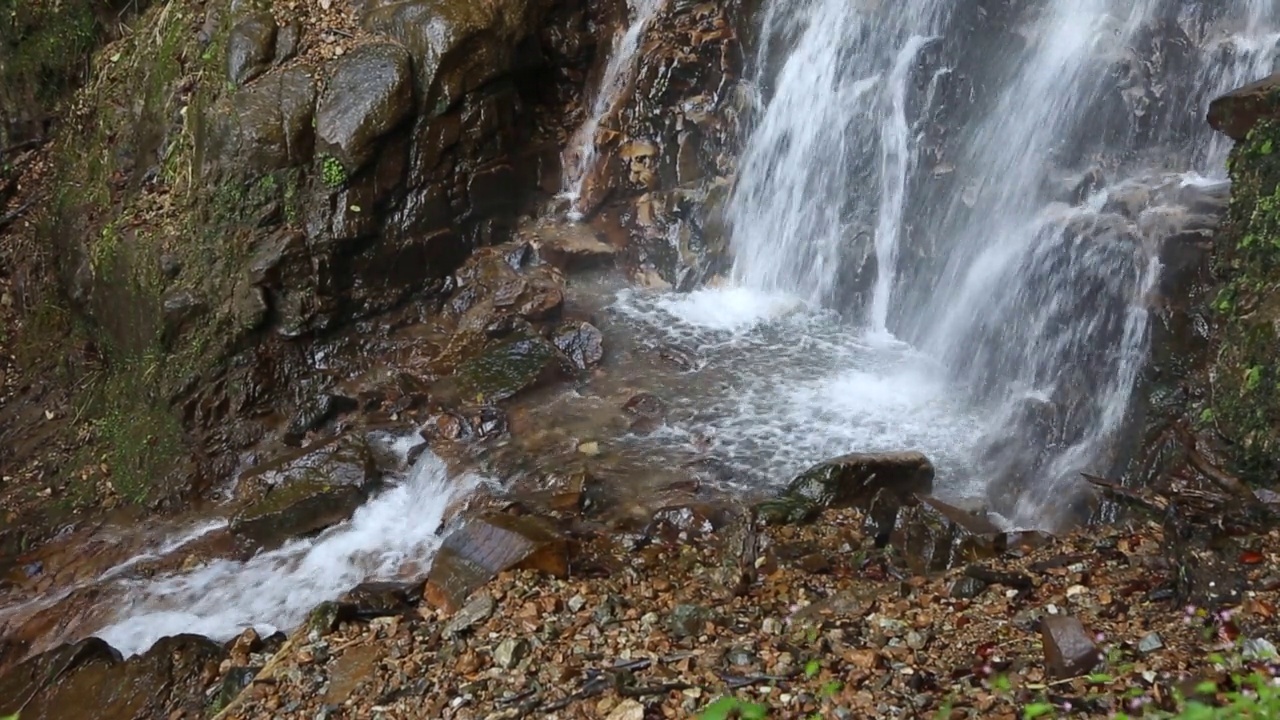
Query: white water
point(1020, 298)
point(582, 150)
point(274, 590)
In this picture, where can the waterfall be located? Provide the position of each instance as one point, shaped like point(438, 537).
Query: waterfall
point(946, 174)
point(582, 150)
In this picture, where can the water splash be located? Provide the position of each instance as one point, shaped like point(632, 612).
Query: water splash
point(582, 151)
point(1033, 298)
point(274, 590)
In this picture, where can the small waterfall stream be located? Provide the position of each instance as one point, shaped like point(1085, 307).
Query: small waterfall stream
point(582, 150)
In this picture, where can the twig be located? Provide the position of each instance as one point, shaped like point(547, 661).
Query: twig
point(7, 220)
point(24, 145)
point(336, 31)
point(647, 690)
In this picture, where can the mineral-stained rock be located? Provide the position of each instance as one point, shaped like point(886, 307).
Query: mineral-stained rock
point(1240, 111)
point(1069, 650)
point(376, 599)
point(251, 46)
point(485, 546)
point(369, 93)
point(166, 681)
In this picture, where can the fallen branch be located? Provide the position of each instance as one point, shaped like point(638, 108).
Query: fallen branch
point(9, 218)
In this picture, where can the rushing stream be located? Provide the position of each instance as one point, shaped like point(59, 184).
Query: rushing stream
point(931, 251)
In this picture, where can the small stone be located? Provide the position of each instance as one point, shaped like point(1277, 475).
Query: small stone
point(627, 710)
point(478, 609)
point(576, 603)
point(967, 588)
point(771, 626)
point(590, 449)
point(688, 620)
point(916, 641)
point(1068, 648)
point(510, 652)
point(1150, 643)
point(1259, 649)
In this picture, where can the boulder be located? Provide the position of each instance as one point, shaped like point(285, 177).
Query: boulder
point(251, 46)
point(855, 480)
point(1240, 110)
point(502, 371)
point(475, 553)
point(306, 491)
point(369, 92)
point(167, 681)
point(266, 126)
point(457, 45)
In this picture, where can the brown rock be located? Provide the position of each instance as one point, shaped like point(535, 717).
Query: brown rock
point(476, 552)
point(251, 45)
point(570, 247)
point(369, 93)
point(1069, 650)
point(1240, 110)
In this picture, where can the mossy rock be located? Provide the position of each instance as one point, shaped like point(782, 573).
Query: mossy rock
point(1244, 404)
point(503, 370)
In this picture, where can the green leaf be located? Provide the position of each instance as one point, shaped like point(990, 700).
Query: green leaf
point(720, 709)
point(1100, 678)
point(1207, 688)
point(1035, 710)
point(811, 668)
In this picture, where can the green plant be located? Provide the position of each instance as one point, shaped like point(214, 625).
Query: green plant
point(332, 172)
point(726, 707)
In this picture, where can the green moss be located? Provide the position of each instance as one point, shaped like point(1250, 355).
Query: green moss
point(1244, 407)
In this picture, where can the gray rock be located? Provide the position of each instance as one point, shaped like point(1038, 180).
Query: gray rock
point(688, 620)
point(369, 92)
point(510, 652)
point(1069, 649)
point(180, 309)
point(251, 46)
point(288, 41)
point(478, 609)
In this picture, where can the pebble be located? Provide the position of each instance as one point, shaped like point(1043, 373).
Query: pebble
point(510, 652)
point(576, 603)
point(1150, 643)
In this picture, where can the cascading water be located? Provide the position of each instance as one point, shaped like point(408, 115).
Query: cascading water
point(582, 150)
point(1031, 297)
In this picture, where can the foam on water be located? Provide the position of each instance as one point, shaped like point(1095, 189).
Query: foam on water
point(782, 385)
point(274, 590)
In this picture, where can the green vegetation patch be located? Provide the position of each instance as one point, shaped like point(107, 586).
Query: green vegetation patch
point(1244, 408)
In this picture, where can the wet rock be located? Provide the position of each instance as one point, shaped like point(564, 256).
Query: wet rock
point(266, 126)
point(1069, 649)
point(167, 681)
point(485, 546)
point(368, 94)
point(251, 46)
point(1240, 111)
point(502, 371)
point(379, 599)
point(234, 683)
point(571, 247)
point(878, 483)
point(581, 342)
point(307, 491)
point(457, 47)
point(288, 40)
point(314, 413)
